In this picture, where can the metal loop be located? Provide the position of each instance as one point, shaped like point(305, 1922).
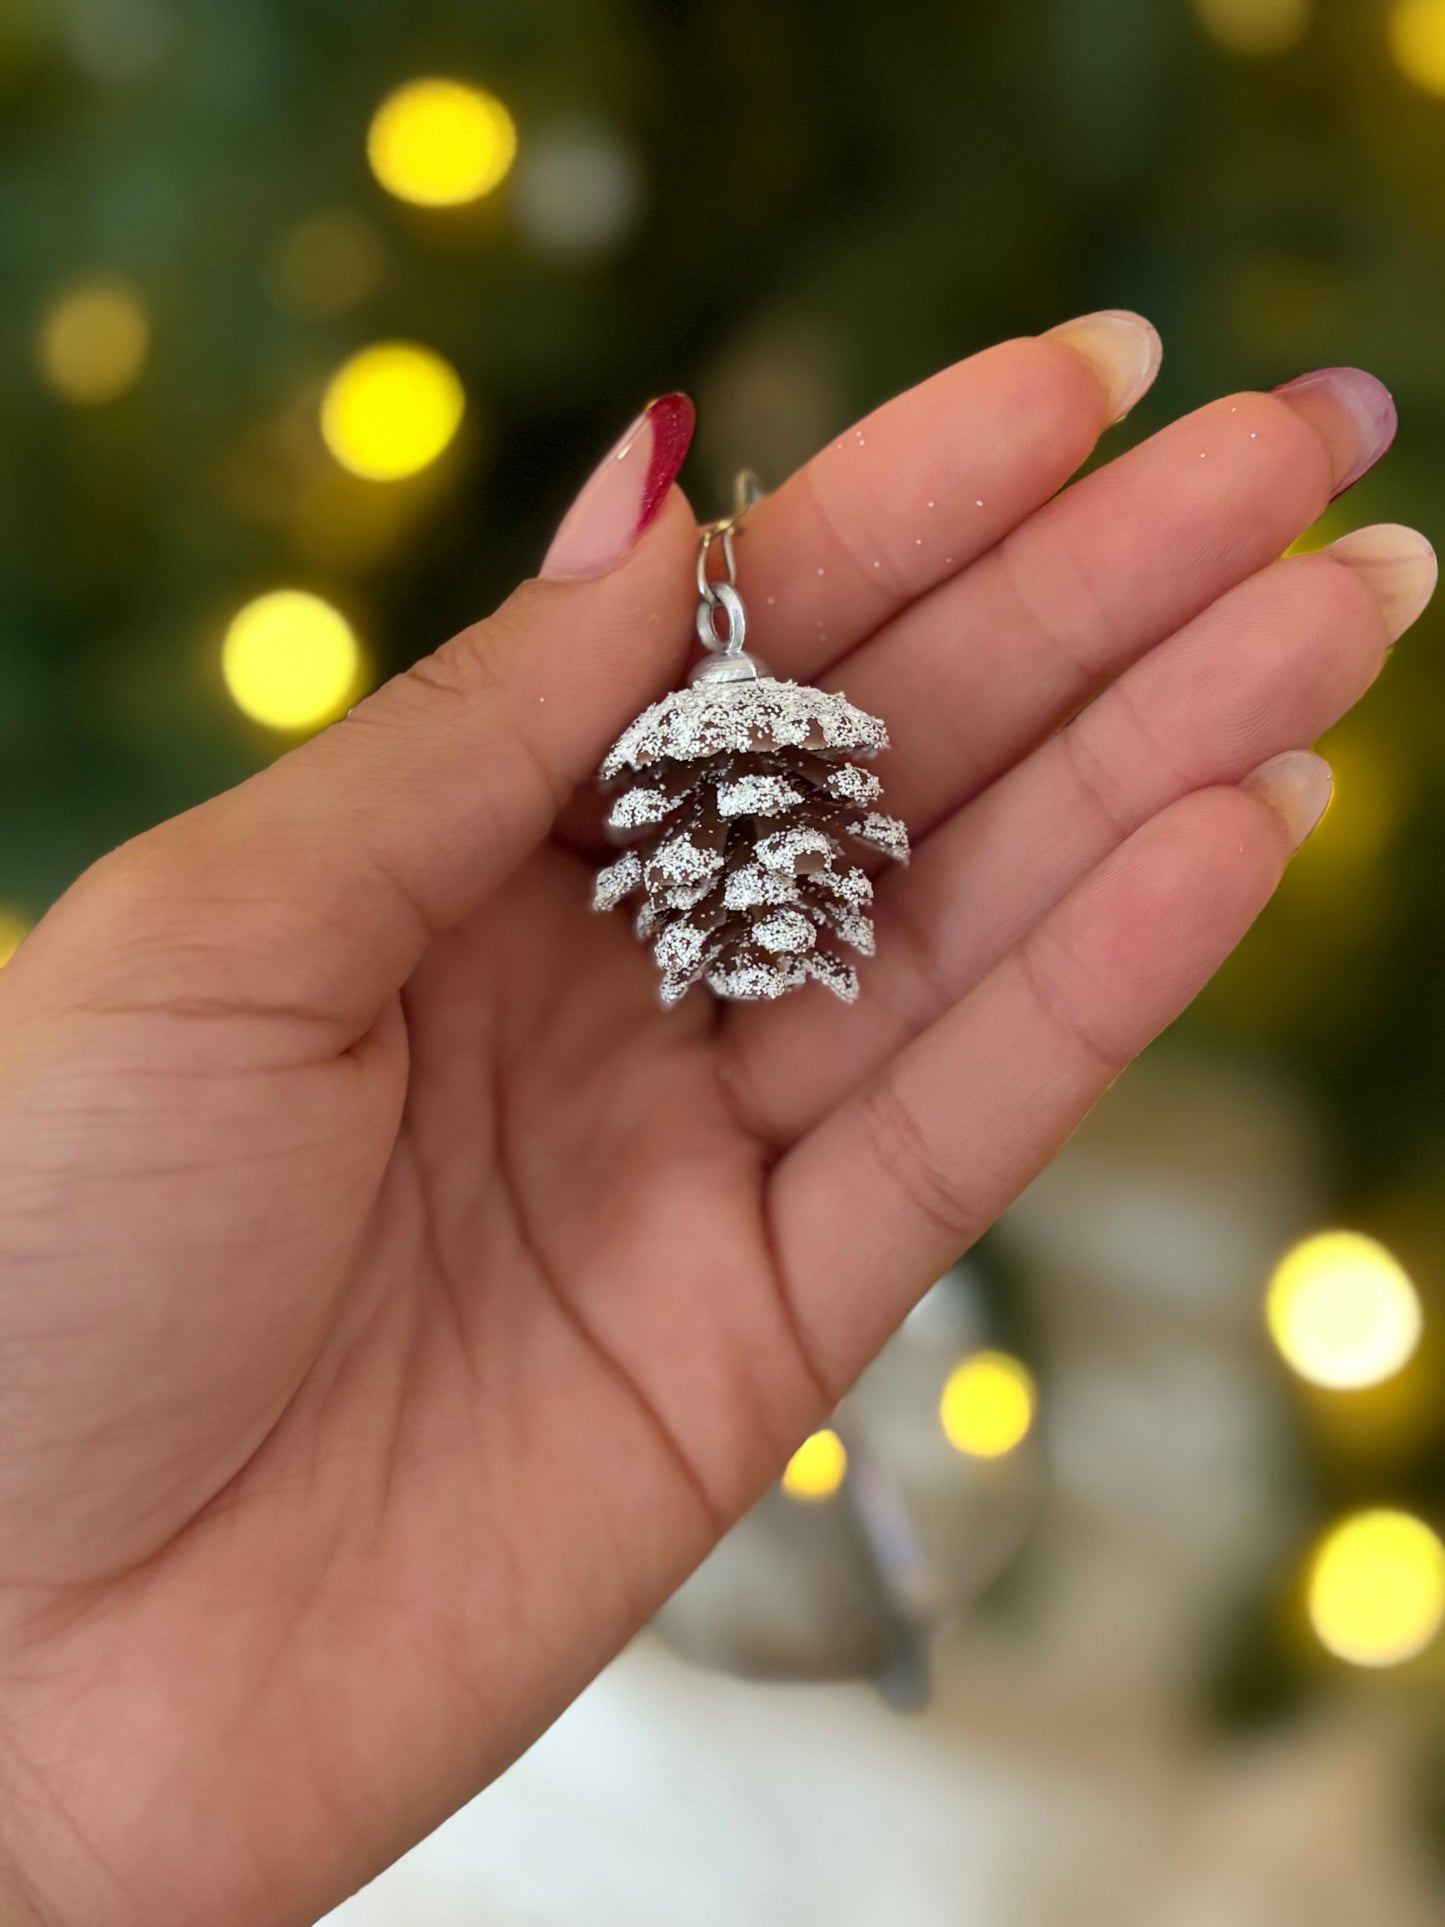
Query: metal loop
point(747, 493)
point(724, 596)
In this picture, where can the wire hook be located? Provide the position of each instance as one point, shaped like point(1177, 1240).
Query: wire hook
point(748, 491)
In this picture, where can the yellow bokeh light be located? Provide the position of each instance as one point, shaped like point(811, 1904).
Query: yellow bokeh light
point(1342, 1311)
point(1370, 801)
point(13, 931)
point(440, 143)
point(1255, 27)
point(290, 660)
point(817, 1468)
point(988, 1405)
point(1417, 40)
point(94, 342)
point(1376, 1588)
point(391, 410)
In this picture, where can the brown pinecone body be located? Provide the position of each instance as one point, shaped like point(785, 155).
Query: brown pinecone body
point(741, 800)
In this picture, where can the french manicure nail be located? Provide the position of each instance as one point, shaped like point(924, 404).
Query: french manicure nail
point(1397, 564)
point(623, 494)
point(1352, 412)
point(1123, 348)
point(1297, 786)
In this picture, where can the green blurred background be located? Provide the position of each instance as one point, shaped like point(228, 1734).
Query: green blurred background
point(791, 209)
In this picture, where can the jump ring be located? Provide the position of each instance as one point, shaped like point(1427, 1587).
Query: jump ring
point(726, 597)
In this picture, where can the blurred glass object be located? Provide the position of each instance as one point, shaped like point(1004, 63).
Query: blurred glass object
point(1342, 1311)
point(441, 143)
point(1376, 1588)
point(578, 190)
point(1255, 27)
point(391, 410)
point(290, 660)
point(94, 342)
point(897, 1531)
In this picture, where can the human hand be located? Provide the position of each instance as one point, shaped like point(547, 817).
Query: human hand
point(395, 1303)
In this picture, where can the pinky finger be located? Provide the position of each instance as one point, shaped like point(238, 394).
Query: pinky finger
point(888, 1189)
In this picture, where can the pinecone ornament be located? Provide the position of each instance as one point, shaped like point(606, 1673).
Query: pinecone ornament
point(743, 797)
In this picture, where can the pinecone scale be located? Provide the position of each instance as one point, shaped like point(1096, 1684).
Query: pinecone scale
point(745, 806)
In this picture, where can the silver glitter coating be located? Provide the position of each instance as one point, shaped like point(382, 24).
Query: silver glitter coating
point(840, 978)
point(678, 860)
point(758, 796)
point(850, 886)
point(884, 833)
point(617, 881)
point(709, 718)
point(790, 849)
point(635, 809)
point(785, 930)
point(749, 982)
point(853, 785)
point(680, 947)
point(752, 889)
point(853, 928)
point(750, 885)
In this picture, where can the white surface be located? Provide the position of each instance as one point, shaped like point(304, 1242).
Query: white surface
point(672, 1796)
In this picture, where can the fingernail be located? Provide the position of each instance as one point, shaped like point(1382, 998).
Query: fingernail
point(1352, 412)
point(1297, 786)
point(1398, 566)
point(623, 494)
point(1124, 349)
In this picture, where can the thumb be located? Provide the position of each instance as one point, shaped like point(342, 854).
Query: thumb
point(339, 861)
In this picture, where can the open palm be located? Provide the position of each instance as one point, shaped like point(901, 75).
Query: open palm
point(395, 1303)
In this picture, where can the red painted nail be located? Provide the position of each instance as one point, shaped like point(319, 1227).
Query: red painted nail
point(624, 493)
point(1353, 413)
